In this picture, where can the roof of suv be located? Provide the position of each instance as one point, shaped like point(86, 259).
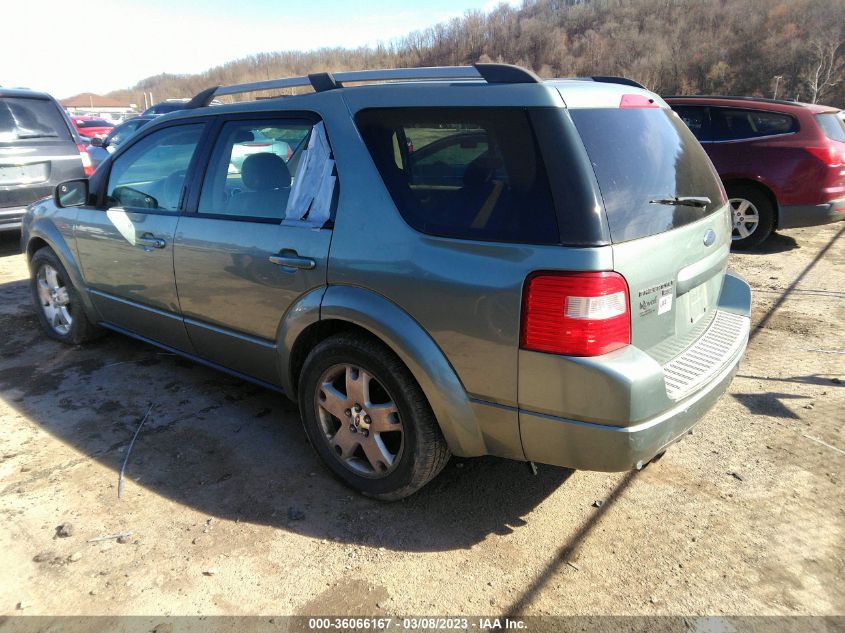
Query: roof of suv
point(762, 103)
point(514, 86)
point(23, 92)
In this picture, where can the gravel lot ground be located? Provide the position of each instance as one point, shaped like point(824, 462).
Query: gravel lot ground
point(231, 513)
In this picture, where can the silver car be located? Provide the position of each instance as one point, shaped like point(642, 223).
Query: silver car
point(483, 264)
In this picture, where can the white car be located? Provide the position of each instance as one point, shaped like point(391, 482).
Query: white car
point(257, 145)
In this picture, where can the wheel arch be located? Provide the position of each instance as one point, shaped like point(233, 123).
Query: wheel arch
point(45, 234)
point(348, 308)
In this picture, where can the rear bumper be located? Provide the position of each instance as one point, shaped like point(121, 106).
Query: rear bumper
point(797, 216)
point(629, 440)
point(10, 218)
point(587, 446)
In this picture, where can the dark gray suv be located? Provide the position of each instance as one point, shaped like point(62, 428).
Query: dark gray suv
point(39, 148)
point(465, 260)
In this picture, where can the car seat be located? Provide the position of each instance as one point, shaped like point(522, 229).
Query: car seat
point(266, 180)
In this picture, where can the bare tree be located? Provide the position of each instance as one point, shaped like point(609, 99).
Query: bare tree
point(825, 68)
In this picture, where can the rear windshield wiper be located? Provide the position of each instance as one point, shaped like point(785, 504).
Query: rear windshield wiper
point(683, 201)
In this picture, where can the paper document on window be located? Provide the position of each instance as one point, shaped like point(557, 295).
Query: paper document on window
point(311, 197)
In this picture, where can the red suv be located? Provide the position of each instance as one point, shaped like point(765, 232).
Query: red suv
point(782, 162)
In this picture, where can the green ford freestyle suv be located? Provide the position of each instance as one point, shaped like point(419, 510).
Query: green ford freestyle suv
point(462, 260)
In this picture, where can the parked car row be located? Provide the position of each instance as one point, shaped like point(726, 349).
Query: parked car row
point(530, 269)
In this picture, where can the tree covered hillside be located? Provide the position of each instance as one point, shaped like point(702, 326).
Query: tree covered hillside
point(744, 47)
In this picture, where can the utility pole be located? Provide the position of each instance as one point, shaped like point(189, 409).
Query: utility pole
point(777, 83)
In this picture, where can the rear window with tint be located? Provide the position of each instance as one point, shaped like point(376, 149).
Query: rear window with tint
point(23, 119)
point(93, 123)
point(467, 173)
point(832, 126)
point(641, 155)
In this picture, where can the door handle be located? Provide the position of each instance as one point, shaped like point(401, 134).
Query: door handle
point(149, 241)
point(290, 259)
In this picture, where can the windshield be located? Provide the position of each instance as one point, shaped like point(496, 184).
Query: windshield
point(653, 174)
point(93, 123)
point(24, 118)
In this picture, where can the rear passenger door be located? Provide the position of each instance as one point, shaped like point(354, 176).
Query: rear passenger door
point(244, 254)
point(740, 133)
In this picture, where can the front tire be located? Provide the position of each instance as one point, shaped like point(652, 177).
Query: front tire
point(368, 419)
point(753, 216)
point(57, 303)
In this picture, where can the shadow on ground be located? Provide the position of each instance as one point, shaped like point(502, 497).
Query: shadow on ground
point(775, 243)
point(232, 450)
point(10, 243)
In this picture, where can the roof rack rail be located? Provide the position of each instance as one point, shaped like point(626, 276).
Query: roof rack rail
point(321, 82)
point(737, 98)
point(618, 80)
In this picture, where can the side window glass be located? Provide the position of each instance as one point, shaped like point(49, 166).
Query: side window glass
point(444, 154)
point(467, 173)
point(696, 119)
point(730, 124)
point(253, 168)
point(151, 174)
point(121, 134)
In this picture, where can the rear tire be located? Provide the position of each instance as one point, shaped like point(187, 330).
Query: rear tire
point(368, 419)
point(57, 303)
point(753, 216)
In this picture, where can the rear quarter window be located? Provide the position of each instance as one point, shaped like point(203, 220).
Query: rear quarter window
point(641, 155)
point(466, 173)
point(31, 120)
point(733, 124)
point(832, 125)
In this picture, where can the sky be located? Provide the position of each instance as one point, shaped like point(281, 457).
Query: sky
point(66, 48)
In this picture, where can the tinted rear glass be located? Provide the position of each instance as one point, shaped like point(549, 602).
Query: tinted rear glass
point(732, 124)
point(467, 173)
point(23, 119)
point(832, 126)
point(645, 154)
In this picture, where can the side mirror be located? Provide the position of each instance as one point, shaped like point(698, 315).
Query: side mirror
point(71, 193)
point(97, 142)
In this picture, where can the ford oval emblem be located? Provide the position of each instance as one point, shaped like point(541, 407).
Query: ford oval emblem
point(709, 237)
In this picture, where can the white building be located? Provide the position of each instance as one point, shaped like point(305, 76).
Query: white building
point(89, 104)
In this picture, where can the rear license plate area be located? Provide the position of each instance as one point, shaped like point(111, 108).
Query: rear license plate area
point(26, 174)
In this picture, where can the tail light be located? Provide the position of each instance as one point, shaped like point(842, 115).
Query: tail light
point(575, 314)
point(289, 154)
point(87, 165)
point(829, 154)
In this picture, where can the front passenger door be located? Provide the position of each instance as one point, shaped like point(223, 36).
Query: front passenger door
point(125, 244)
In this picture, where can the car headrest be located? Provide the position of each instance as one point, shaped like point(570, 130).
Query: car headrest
point(481, 169)
point(265, 172)
point(244, 136)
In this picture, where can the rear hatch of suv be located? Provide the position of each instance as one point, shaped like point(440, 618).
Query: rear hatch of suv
point(37, 151)
point(668, 219)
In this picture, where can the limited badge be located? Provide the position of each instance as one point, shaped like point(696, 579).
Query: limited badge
point(656, 298)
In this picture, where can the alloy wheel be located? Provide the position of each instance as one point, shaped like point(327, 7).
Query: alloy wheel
point(55, 300)
point(746, 218)
point(359, 420)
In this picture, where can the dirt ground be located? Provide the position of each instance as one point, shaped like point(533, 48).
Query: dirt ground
point(231, 513)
